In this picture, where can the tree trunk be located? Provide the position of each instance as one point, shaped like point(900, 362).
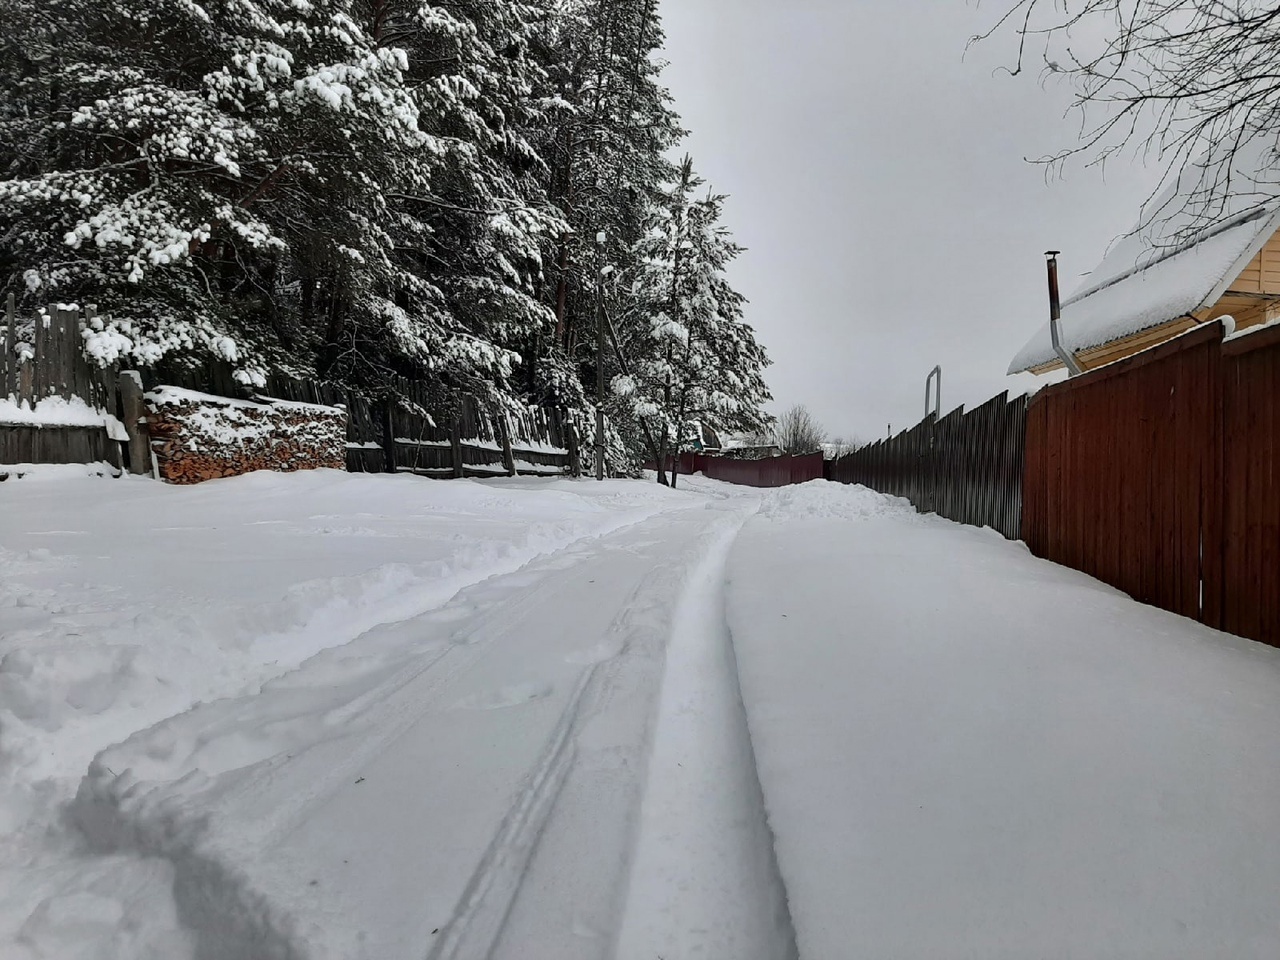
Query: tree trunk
point(662, 459)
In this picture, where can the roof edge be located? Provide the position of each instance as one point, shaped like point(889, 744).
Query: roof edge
point(1252, 250)
point(1240, 220)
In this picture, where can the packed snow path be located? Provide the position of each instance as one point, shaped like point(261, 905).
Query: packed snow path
point(560, 720)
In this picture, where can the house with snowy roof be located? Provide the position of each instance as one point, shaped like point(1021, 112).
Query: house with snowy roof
point(1205, 248)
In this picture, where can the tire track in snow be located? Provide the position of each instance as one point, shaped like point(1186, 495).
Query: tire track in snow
point(503, 596)
point(705, 879)
point(481, 916)
point(554, 880)
point(487, 899)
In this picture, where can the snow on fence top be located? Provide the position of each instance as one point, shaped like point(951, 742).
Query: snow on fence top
point(54, 412)
point(1189, 244)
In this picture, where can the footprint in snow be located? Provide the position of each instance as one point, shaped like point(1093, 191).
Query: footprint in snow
point(502, 697)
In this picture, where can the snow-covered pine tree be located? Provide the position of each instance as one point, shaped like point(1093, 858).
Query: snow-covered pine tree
point(693, 357)
point(366, 189)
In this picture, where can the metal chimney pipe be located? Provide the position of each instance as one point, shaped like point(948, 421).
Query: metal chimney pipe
point(1055, 317)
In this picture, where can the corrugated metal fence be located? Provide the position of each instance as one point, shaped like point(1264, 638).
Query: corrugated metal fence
point(966, 467)
point(1121, 468)
point(1248, 599)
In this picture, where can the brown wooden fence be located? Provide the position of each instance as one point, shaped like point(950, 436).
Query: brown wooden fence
point(1158, 475)
point(966, 467)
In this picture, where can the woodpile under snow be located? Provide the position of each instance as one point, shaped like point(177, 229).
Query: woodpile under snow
point(196, 437)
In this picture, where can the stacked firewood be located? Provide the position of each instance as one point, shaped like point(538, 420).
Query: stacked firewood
point(197, 437)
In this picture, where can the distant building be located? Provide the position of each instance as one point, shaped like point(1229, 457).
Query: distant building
point(749, 447)
point(705, 440)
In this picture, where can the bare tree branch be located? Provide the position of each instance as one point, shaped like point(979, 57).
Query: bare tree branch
point(1171, 80)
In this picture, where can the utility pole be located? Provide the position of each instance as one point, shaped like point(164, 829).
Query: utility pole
point(600, 319)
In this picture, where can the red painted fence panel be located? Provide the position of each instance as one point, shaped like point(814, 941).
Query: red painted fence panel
point(771, 472)
point(1247, 586)
point(1121, 477)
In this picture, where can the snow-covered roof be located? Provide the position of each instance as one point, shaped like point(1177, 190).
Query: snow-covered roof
point(1191, 242)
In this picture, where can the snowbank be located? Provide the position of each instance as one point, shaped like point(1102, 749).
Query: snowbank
point(824, 500)
point(57, 471)
point(968, 752)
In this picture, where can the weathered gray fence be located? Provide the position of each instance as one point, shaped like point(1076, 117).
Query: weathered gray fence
point(412, 427)
point(42, 357)
point(415, 427)
point(466, 438)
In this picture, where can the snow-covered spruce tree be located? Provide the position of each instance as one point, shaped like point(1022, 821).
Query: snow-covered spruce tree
point(693, 357)
point(209, 174)
point(607, 124)
point(472, 230)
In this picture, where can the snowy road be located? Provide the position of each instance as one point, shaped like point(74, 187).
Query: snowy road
point(509, 739)
point(559, 720)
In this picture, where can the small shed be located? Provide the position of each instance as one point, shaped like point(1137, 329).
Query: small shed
point(1205, 248)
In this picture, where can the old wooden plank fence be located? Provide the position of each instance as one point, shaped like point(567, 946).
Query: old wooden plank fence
point(414, 427)
point(468, 438)
point(42, 357)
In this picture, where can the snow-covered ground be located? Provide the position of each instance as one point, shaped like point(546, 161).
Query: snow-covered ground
point(969, 752)
point(322, 715)
point(124, 603)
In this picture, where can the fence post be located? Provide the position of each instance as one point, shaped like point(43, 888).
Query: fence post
point(455, 443)
point(571, 439)
point(9, 363)
point(40, 341)
point(388, 435)
point(130, 386)
point(504, 434)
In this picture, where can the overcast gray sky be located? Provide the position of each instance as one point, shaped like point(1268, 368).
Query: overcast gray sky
point(879, 182)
